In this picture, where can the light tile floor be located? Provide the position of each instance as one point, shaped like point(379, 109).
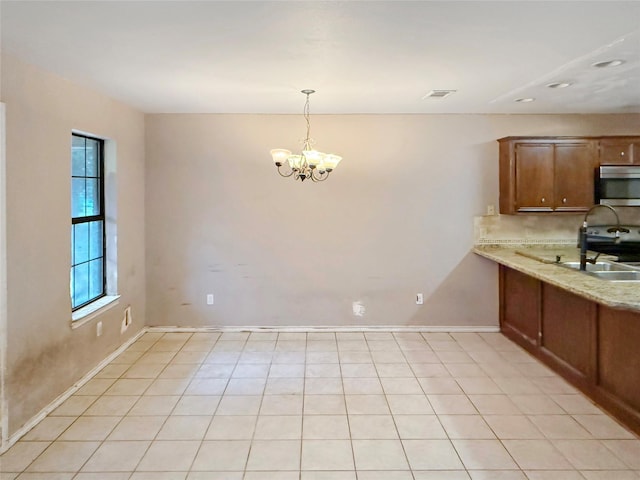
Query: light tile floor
point(325, 406)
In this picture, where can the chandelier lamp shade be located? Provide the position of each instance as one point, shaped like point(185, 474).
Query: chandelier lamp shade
point(310, 164)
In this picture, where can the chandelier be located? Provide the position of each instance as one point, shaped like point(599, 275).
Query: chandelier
point(311, 163)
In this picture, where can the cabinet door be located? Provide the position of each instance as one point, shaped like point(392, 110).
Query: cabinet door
point(618, 152)
point(618, 357)
point(534, 177)
point(575, 169)
point(520, 306)
point(568, 330)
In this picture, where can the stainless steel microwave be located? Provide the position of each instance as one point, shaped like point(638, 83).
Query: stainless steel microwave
point(619, 185)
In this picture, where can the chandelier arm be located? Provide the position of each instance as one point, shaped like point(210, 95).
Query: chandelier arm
point(283, 174)
point(321, 177)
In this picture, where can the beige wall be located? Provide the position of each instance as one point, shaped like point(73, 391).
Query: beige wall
point(44, 355)
point(395, 218)
point(3, 277)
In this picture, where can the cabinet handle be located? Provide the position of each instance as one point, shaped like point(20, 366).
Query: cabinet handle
point(564, 200)
point(543, 200)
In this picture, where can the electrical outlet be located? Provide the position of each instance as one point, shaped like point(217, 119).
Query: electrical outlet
point(210, 299)
point(99, 329)
point(491, 209)
point(419, 299)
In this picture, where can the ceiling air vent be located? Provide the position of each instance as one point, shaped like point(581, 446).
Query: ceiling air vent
point(438, 93)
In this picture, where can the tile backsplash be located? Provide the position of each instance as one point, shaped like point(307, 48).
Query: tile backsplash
point(543, 229)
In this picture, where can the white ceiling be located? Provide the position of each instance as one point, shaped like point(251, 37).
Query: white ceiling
point(360, 56)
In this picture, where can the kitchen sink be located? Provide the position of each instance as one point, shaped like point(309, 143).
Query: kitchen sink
point(619, 276)
point(601, 267)
point(615, 272)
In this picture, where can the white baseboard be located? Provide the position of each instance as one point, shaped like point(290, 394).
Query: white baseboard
point(58, 401)
point(335, 328)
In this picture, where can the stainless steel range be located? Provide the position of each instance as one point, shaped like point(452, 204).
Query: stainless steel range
point(602, 238)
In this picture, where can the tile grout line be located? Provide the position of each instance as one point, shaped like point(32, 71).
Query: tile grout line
point(191, 379)
point(165, 420)
point(481, 416)
point(125, 415)
point(393, 418)
point(173, 408)
point(346, 407)
point(451, 440)
point(230, 376)
point(255, 426)
point(131, 408)
point(304, 392)
point(437, 414)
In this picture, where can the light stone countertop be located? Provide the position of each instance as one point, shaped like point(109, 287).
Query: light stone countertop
point(539, 263)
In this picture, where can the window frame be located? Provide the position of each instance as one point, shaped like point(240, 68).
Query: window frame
point(101, 217)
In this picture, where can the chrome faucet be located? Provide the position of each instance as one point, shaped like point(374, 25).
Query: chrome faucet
point(583, 235)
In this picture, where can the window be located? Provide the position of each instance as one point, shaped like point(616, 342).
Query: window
point(87, 220)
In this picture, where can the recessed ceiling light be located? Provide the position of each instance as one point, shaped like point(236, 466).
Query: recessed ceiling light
point(559, 85)
point(524, 100)
point(608, 63)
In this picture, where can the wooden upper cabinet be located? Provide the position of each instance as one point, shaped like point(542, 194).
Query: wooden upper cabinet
point(575, 169)
point(619, 151)
point(534, 177)
point(547, 175)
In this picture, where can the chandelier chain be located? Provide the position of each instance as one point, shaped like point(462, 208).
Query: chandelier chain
point(307, 140)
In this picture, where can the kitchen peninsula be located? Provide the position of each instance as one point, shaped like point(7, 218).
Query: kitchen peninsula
point(585, 328)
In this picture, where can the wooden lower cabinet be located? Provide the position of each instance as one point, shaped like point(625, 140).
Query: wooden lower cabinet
point(619, 359)
point(568, 331)
point(594, 347)
point(520, 308)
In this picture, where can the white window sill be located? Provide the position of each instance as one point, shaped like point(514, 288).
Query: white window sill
point(91, 311)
